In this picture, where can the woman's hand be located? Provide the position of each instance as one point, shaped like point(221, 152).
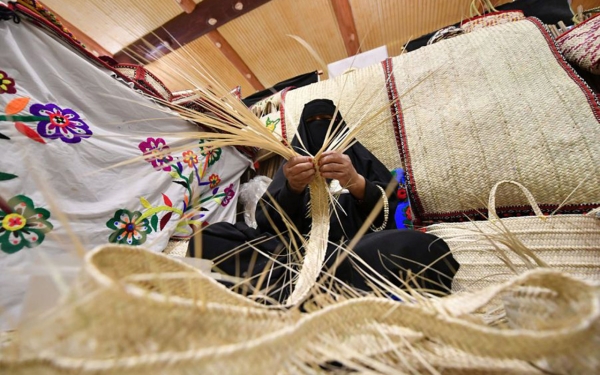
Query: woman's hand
point(335, 165)
point(299, 172)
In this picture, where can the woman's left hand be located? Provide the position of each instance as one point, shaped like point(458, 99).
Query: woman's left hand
point(337, 166)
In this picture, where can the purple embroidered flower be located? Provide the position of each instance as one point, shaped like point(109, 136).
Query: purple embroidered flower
point(7, 84)
point(229, 194)
point(158, 153)
point(64, 123)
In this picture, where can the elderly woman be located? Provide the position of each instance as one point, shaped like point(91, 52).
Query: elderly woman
point(359, 180)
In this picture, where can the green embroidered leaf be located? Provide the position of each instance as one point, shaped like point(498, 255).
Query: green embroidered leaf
point(191, 178)
point(154, 222)
point(145, 202)
point(7, 176)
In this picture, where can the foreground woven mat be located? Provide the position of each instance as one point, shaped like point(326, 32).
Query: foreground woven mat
point(137, 312)
point(502, 104)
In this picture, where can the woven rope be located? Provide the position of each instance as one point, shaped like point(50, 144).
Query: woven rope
point(358, 95)
point(498, 106)
point(569, 243)
point(114, 324)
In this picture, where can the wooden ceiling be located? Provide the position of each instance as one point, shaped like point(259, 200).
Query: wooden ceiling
point(255, 50)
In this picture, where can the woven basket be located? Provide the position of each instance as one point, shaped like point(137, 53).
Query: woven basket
point(493, 251)
point(581, 45)
point(136, 312)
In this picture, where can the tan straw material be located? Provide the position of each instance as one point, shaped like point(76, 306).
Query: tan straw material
point(493, 251)
point(502, 105)
point(142, 313)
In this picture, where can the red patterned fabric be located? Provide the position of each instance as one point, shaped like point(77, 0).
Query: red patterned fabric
point(143, 77)
point(581, 45)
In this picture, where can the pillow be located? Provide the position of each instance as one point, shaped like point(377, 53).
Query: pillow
point(581, 45)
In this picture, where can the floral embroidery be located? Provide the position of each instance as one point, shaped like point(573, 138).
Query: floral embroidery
point(190, 158)
point(229, 194)
point(214, 180)
point(271, 125)
point(7, 84)
point(211, 154)
point(25, 226)
point(129, 229)
point(158, 153)
point(63, 123)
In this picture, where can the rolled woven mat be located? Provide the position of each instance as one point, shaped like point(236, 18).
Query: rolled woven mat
point(137, 312)
point(499, 104)
point(358, 95)
point(493, 251)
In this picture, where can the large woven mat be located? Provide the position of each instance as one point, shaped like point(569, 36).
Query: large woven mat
point(499, 104)
point(358, 95)
point(137, 312)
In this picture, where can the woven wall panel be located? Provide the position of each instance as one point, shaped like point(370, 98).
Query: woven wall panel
point(115, 24)
point(260, 38)
point(393, 22)
point(202, 51)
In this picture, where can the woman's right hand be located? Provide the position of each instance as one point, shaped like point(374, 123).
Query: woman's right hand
point(299, 172)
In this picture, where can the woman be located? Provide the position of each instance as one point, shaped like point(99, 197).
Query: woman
point(360, 179)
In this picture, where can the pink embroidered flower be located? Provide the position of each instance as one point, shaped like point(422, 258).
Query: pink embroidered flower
point(190, 158)
point(63, 123)
point(7, 84)
point(214, 180)
point(229, 194)
point(157, 152)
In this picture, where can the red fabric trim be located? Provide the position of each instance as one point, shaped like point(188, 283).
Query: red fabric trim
point(491, 14)
point(576, 27)
point(509, 211)
point(282, 114)
point(401, 141)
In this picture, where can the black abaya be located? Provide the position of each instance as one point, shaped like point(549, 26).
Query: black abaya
point(390, 252)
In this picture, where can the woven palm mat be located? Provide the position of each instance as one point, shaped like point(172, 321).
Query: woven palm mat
point(501, 104)
point(138, 312)
point(359, 95)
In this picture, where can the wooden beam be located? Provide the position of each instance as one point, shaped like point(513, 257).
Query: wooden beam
point(227, 50)
point(208, 15)
point(90, 43)
point(345, 19)
point(187, 5)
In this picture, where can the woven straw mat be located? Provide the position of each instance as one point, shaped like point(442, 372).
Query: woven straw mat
point(143, 313)
point(498, 105)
